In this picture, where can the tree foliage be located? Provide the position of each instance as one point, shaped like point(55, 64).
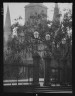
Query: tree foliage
point(63, 51)
point(38, 22)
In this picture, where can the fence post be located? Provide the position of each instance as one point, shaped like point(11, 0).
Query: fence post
point(47, 70)
point(36, 59)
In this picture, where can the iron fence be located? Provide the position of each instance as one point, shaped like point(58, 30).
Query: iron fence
point(22, 74)
point(14, 73)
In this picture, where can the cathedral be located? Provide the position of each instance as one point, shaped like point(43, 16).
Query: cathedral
point(30, 9)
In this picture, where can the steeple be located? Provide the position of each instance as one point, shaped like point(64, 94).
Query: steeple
point(56, 16)
point(7, 29)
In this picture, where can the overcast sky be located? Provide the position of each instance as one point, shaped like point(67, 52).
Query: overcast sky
point(17, 9)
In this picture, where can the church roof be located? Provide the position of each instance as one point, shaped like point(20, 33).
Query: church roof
point(33, 4)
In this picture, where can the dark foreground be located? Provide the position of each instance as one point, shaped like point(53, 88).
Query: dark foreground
point(37, 89)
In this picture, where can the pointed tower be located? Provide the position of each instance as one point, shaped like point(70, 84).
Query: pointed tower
point(56, 16)
point(7, 29)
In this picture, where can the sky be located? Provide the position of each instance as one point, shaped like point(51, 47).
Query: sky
point(17, 9)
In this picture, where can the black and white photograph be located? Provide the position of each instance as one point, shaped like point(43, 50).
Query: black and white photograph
point(37, 47)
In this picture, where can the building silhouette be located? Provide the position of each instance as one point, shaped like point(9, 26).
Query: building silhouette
point(33, 8)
